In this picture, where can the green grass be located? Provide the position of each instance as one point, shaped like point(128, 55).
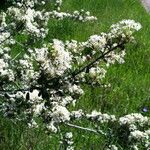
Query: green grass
point(130, 90)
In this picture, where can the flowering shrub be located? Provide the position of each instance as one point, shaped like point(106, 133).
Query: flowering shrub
point(43, 81)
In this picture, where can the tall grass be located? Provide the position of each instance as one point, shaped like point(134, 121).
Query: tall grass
point(130, 82)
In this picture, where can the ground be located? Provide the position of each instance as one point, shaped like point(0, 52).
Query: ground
point(146, 3)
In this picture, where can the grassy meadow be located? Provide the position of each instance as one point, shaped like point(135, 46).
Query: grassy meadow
point(130, 82)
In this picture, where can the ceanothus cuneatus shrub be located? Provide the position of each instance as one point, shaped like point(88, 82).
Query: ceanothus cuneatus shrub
point(43, 79)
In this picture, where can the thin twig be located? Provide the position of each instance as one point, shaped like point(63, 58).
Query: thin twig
point(20, 44)
point(16, 56)
point(86, 129)
point(19, 52)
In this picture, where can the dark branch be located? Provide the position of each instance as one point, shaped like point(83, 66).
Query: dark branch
point(75, 73)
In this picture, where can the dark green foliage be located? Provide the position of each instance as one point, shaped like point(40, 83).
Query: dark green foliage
point(4, 4)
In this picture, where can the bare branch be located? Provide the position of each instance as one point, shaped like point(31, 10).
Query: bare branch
point(86, 129)
point(16, 56)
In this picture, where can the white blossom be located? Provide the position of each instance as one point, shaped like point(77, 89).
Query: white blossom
point(60, 114)
point(133, 118)
point(98, 116)
point(139, 135)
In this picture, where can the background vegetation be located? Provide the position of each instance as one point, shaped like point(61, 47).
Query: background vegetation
point(130, 90)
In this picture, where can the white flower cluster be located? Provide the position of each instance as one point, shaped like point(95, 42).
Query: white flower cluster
point(60, 114)
point(4, 36)
point(102, 118)
point(133, 119)
point(69, 141)
point(97, 72)
point(98, 41)
point(6, 73)
point(136, 124)
point(129, 26)
point(56, 76)
point(140, 138)
point(77, 114)
point(35, 21)
point(55, 62)
point(29, 18)
point(44, 79)
point(139, 135)
point(76, 15)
